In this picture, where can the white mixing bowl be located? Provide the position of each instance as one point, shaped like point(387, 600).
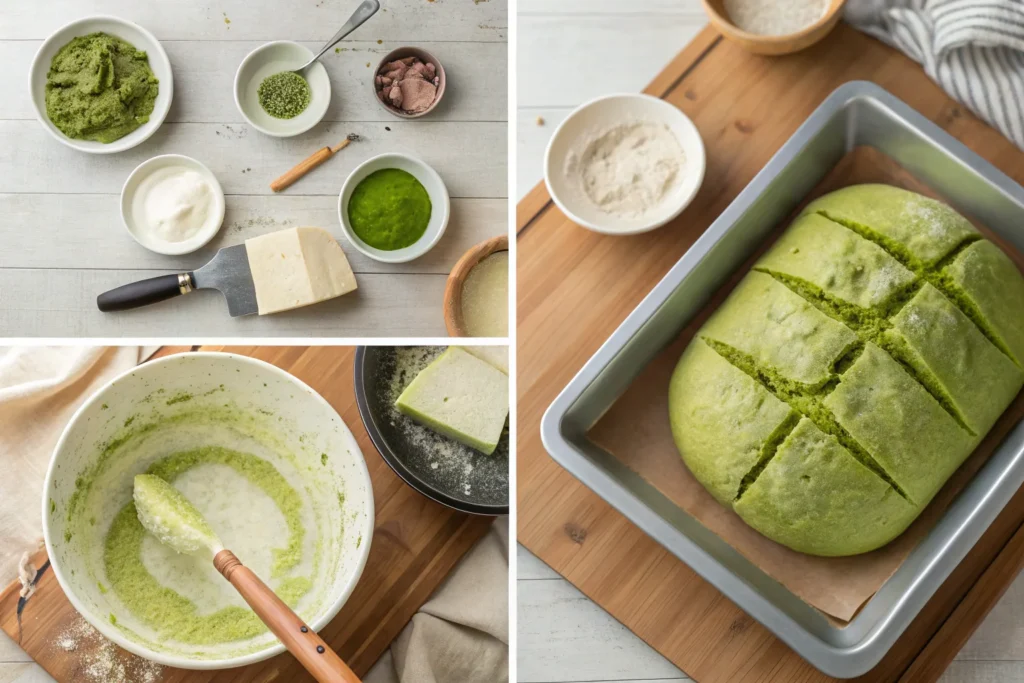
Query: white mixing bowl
point(182, 402)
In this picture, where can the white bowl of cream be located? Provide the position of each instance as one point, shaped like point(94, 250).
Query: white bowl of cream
point(172, 204)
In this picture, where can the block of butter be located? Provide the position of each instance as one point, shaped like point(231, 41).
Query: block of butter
point(460, 396)
point(495, 355)
point(297, 267)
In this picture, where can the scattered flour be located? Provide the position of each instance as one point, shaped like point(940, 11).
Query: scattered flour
point(630, 169)
point(929, 214)
point(774, 17)
point(100, 661)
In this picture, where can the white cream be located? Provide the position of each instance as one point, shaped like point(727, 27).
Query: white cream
point(173, 203)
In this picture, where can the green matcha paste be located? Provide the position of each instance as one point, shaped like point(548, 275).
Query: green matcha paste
point(169, 613)
point(389, 209)
point(100, 88)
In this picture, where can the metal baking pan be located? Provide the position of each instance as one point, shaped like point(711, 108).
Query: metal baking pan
point(857, 113)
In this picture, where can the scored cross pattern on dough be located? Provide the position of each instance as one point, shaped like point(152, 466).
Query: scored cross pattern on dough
point(870, 325)
point(805, 400)
point(852, 370)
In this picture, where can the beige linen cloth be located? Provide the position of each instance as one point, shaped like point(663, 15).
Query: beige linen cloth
point(459, 636)
point(40, 389)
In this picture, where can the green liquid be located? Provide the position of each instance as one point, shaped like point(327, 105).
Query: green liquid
point(389, 209)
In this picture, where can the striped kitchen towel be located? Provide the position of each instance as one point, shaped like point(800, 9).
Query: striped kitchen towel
point(974, 49)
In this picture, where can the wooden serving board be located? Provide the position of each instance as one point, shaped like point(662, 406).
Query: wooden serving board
point(576, 286)
point(416, 543)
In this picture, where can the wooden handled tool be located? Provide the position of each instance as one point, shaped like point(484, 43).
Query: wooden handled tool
point(302, 641)
point(172, 519)
point(309, 163)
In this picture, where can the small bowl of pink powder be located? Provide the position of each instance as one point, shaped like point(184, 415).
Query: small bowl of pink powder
point(409, 82)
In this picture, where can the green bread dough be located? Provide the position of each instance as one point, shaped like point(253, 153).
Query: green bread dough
point(844, 380)
point(942, 343)
point(903, 437)
point(813, 493)
point(837, 261)
point(747, 412)
point(922, 228)
point(779, 328)
point(986, 277)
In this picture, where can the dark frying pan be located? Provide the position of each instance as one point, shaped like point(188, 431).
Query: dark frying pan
point(462, 478)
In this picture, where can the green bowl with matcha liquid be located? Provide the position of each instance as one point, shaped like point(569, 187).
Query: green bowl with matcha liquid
point(232, 434)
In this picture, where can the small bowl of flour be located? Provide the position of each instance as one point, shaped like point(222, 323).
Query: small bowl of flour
point(624, 164)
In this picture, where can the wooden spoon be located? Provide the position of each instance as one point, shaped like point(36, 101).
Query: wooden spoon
point(175, 522)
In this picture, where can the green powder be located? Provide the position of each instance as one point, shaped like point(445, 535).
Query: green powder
point(284, 95)
point(170, 613)
point(389, 209)
point(100, 88)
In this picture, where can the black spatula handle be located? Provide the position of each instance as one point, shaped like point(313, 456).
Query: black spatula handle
point(145, 292)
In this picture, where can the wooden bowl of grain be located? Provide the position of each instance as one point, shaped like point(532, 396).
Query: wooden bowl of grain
point(454, 320)
point(774, 28)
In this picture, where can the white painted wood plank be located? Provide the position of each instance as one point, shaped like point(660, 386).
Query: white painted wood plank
point(984, 672)
point(10, 652)
point(471, 157)
point(405, 21)
point(24, 673)
point(62, 303)
point(204, 74)
point(85, 231)
point(531, 142)
point(560, 67)
point(563, 636)
point(687, 8)
point(530, 567)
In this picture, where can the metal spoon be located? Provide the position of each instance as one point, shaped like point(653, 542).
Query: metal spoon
point(366, 10)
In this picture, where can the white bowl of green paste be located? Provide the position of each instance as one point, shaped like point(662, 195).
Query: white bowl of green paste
point(101, 84)
point(267, 461)
point(394, 208)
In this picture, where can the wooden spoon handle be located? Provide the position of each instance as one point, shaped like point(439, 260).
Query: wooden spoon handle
point(302, 641)
point(302, 168)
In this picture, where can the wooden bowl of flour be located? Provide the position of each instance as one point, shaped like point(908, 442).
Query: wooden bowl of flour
point(773, 44)
point(454, 320)
point(591, 123)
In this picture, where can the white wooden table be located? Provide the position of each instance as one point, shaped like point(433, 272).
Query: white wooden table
point(602, 46)
point(60, 226)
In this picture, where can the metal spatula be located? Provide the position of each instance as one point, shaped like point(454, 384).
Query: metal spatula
point(228, 272)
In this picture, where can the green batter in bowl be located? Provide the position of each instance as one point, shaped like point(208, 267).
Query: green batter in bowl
point(265, 459)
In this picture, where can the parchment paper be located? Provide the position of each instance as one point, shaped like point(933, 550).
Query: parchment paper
point(636, 431)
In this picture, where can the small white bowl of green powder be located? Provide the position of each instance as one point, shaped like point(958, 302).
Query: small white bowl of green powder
point(265, 459)
point(274, 99)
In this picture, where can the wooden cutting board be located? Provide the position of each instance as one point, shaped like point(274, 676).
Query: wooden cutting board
point(416, 542)
point(576, 287)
